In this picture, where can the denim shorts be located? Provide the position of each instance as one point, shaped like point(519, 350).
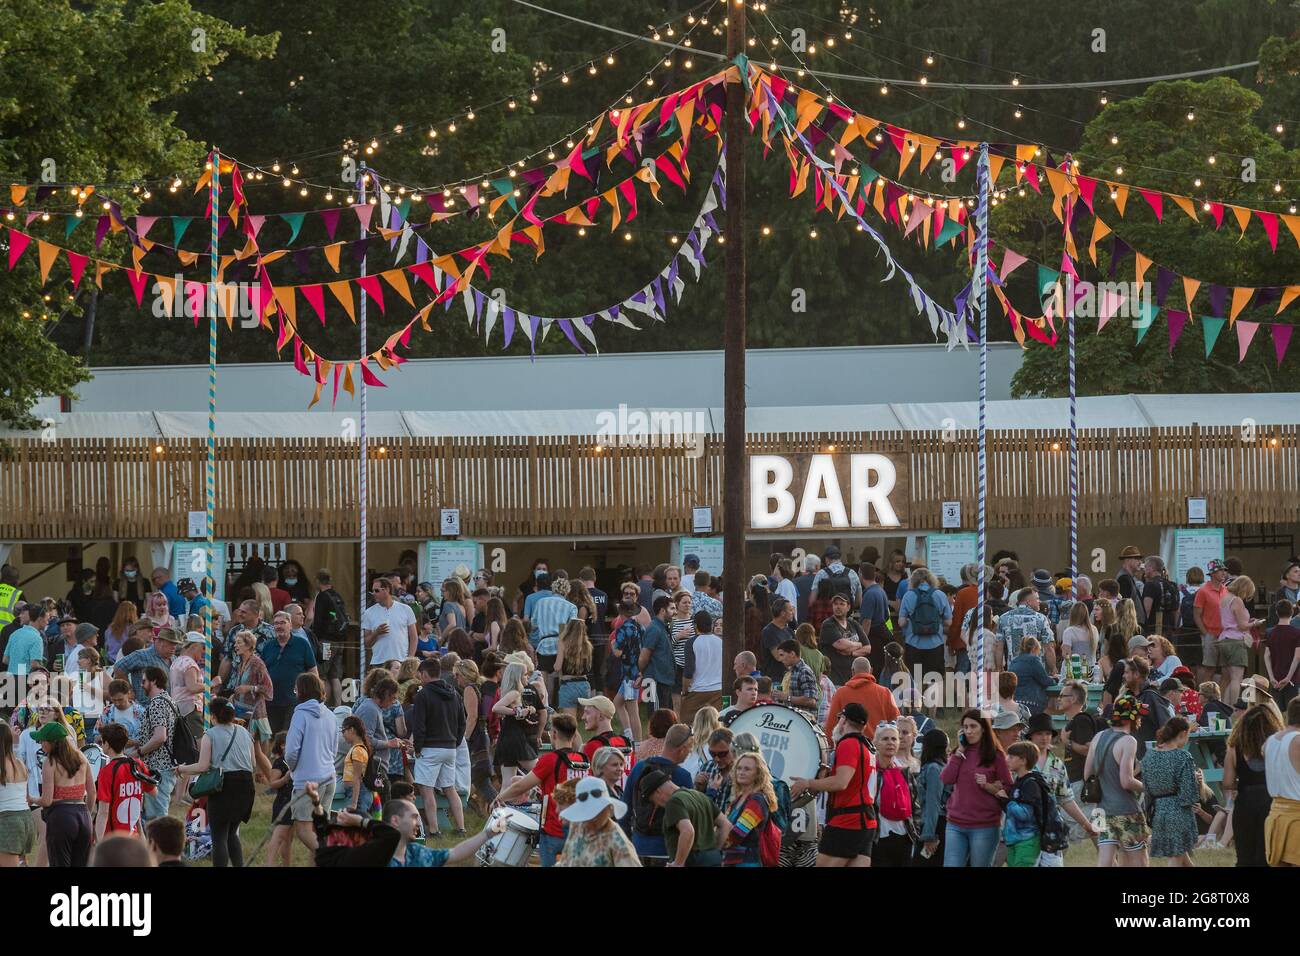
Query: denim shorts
point(570, 691)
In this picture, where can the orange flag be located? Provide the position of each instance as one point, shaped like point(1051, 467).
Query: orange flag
point(1185, 204)
point(1189, 290)
point(48, 252)
point(332, 254)
point(343, 292)
point(1240, 296)
point(1243, 217)
point(397, 279)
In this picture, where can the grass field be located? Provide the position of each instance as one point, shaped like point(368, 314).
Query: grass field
point(255, 832)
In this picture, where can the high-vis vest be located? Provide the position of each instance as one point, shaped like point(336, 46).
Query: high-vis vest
point(9, 596)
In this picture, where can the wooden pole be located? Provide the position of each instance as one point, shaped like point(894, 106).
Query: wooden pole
point(733, 435)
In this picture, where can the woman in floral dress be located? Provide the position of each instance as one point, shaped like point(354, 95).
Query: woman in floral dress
point(1169, 776)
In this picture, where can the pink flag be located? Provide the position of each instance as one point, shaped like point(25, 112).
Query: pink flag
point(18, 242)
point(137, 284)
point(1087, 187)
point(298, 362)
point(1281, 339)
point(373, 289)
point(364, 212)
point(255, 223)
point(368, 376)
point(1010, 262)
point(1110, 301)
point(77, 263)
point(1154, 200)
point(143, 224)
point(1245, 332)
point(315, 296)
point(1269, 219)
point(1216, 211)
point(920, 211)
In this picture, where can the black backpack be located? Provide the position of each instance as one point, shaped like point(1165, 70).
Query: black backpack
point(1170, 602)
point(1054, 836)
point(181, 743)
point(331, 618)
point(835, 582)
point(375, 779)
point(926, 618)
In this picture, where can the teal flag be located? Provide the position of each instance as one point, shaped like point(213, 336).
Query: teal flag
point(179, 225)
point(73, 223)
point(506, 187)
point(294, 219)
point(1212, 328)
point(951, 227)
point(1047, 279)
point(1149, 312)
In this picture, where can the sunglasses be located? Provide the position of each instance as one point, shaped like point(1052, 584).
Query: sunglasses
point(593, 794)
point(719, 754)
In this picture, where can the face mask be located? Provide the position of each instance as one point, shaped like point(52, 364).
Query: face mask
point(290, 582)
point(539, 572)
point(131, 575)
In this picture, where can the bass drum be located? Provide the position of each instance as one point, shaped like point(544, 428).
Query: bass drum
point(791, 742)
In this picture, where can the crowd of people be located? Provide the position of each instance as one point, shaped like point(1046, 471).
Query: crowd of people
point(603, 725)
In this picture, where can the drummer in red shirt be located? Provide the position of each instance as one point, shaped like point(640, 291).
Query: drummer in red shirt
point(563, 762)
point(597, 717)
point(851, 824)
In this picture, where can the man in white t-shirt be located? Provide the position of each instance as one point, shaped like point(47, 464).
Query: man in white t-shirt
point(703, 669)
point(388, 626)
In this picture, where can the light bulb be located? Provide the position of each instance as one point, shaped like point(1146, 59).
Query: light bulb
point(1119, 170)
point(884, 89)
point(582, 230)
point(1210, 160)
point(511, 104)
point(294, 170)
point(1190, 115)
point(329, 196)
point(1017, 113)
point(532, 96)
point(924, 80)
point(767, 230)
point(609, 60)
point(1197, 182)
point(1015, 81)
point(812, 234)
point(275, 167)
point(929, 59)
point(592, 69)
point(1278, 129)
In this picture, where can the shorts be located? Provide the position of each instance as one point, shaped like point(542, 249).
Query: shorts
point(1227, 652)
point(260, 728)
point(570, 691)
point(300, 805)
point(1128, 831)
point(332, 668)
point(1024, 853)
point(436, 767)
point(627, 690)
point(846, 844)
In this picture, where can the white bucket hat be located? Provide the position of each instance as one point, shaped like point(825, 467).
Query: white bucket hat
point(592, 797)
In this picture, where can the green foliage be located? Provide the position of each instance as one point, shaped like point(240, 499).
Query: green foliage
point(81, 84)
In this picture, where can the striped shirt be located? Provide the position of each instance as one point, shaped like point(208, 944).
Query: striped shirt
point(549, 616)
point(681, 631)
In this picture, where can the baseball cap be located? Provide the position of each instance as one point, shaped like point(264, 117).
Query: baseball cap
point(831, 553)
point(600, 702)
point(651, 782)
point(1006, 719)
point(1170, 683)
point(839, 597)
point(69, 619)
point(693, 559)
point(854, 713)
point(1215, 564)
point(51, 731)
point(1065, 584)
point(1136, 641)
point(194, 637)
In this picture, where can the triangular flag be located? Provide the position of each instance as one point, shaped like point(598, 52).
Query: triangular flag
point(1010, 262)
point(1269, 219)
point(1243, 217)
point(1110, 301)
point(1148, 318)
point(1154, 200)
point(179, 225)
point(1281, 339)
point(1099, 231)
point(137, 280)
point(1288, 296)
point(372, 288)
point(1245, 332)
point(332, 252)
point(1211, 327)
point(1121, 198)
point(1142, 263)
point(18, 242)
point(46, 252)
point(1186, 205)
point(1189, 290)
point(1293, 223)
point(1177, 320)
point(315, 296)
point(77, 263)
point(342, 290)
point(1240, 297)
point(397, 279)
point(294, 219)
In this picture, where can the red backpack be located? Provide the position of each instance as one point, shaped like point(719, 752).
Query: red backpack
point(893, 795)
point(769, 843)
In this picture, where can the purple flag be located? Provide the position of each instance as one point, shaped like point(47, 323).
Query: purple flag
point(508, 324)
point(1164, 279)
point(1218, 300)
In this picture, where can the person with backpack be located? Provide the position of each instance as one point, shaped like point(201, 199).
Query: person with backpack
point(895, 799)
point(750, 836)
point(924, 615)
point(1161, 601)
point(833, 578)
point(120, 787)
point(646, 819)
point(851, 824)
point(158, 730)
point(1027, 806)
point(564, 761)
point(1042, 734)
point(597, 719)
point(329, 624)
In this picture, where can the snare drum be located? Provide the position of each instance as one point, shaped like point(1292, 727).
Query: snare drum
point(515, 844)
point(791, 742)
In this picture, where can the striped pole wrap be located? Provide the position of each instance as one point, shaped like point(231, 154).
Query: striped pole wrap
point(982, 299)
point(1074, 417)
point(210, 474)
point(362, 478)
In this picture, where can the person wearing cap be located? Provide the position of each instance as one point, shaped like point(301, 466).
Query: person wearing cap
point(1205, 613)
point(1288, 590)
point(646, 823)
point(691, 823)
point(132, 666)
point(1130, 578)
point(595, 839)
point(1113, 757)
point(690, 567)
point(1008, 726)
point(597, 718)
point(186, 680)
point(562, 762)
point(63, 646)
point(67, 797)
point(1050, 603)
point(842, 641)
point(26, 646)
point(1040, 732)
point(851, 821)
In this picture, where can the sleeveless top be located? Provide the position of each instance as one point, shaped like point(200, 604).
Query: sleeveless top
point(1115, 800)
point(13, 796)
point(1228, 619)
point(240, 755)
point(1283, 779)
point(1250, 773)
